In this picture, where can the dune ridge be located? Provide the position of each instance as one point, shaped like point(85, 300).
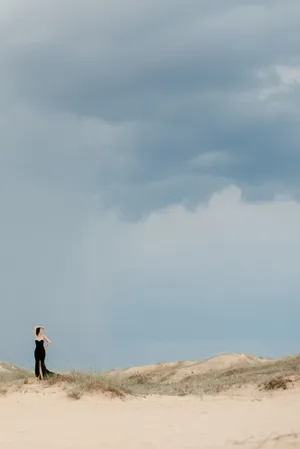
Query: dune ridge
point(178, 371)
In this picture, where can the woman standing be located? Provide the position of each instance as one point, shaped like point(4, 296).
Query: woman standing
point(40, 353)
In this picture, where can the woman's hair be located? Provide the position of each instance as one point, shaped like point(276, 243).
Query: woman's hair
point(38, 330)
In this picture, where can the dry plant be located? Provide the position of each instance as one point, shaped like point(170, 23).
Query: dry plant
point(76, 383)
point(277, 383)
point(80, 383)
point(3, 391)
point(13, 376)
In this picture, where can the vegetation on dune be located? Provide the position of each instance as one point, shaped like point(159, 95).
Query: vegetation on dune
point(268, 376)
point(15, 375)
point(79, 383)
point(76, 383)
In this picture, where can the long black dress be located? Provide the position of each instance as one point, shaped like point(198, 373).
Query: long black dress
point(40, 355)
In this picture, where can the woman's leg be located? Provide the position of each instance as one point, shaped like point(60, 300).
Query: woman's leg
point(37, 368)
point(41, 370)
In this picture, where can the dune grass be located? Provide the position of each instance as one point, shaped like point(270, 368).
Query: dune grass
point(75, 383)
point(268, 376)
point(14, 375)
point(79, 383)
point(13, 378)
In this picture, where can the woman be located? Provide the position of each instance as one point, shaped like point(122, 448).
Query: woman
point(40, 353)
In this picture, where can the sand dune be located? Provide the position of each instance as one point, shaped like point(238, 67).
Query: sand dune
point(8, 367)
point(35, 414)
point(177, 371)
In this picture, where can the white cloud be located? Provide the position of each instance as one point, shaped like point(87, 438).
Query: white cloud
point(224, 251)
point(288, 75)
point(278, 80)
point(210, 159)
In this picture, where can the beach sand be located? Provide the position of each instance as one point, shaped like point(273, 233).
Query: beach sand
point(45, 418)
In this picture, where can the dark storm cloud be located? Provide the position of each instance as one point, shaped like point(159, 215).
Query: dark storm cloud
point(186, 77)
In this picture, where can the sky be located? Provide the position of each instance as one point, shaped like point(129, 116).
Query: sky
point(149, 179)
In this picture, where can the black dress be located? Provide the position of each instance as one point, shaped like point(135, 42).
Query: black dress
point(39, 355)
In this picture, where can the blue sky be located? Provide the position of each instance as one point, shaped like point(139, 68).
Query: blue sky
point(149, 174)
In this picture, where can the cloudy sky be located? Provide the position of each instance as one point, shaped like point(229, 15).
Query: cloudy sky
point(149, 174)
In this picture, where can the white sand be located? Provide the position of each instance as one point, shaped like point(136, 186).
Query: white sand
point(47, 419)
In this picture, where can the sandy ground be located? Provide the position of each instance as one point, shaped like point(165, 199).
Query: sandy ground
point(48, 419)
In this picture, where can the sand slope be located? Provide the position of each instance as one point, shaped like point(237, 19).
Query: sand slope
point(6, 367)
